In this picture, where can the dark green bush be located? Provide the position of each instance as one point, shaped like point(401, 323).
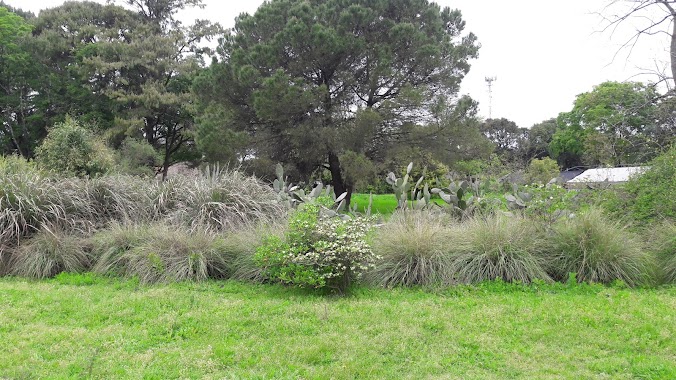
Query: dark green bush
point(653, 191)
point(71, 149)
point(648, 197)
point(137, 157)
point(541, 171)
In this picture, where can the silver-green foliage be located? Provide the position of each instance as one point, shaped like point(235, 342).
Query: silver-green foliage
point(48, 253)
point(499, 247)
point(598, 249)
point(291, 196)
point(30, 199)
point(160, 253)
point(401, 187)
point(414, 247)
point(224, 199)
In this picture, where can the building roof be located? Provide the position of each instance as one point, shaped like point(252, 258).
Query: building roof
point(569, 174)
point(608, 174)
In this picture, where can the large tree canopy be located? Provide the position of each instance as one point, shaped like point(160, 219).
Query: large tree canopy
point(148, 73)
point(126, 69)
point(614, 124)
point(15, 75)
point(313, 81)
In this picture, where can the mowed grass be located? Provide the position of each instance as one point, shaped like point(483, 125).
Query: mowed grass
point(383, 204)
point(80, 326)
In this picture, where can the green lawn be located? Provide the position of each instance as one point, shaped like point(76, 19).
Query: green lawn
point(87, 327)
point(384, 204)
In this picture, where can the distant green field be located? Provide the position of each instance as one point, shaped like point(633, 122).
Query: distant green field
point(384, 204)
point(81, 326)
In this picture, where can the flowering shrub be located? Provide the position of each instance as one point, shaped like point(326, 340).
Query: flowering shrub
point(318, 252)
point(549, 202)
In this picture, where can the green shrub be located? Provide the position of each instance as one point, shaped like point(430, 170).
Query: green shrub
point(414, 247)
point(317, 252)
point(12, 165)
point(541, 171)
point(160, 253)
point(598, 250)
point(550, 202)
point(137, 157)
point(71, 149)
point(652, 193)
point(662, 244)
point(48, 253)
point(241, 245)
point(499, 247)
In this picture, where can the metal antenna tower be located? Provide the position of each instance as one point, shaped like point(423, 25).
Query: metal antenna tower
point(489, 83)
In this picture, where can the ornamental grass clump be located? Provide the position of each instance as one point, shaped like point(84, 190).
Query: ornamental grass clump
point(662, 244)
point(224, 199)
point(160, 253)
point(317, 252)
point(25, 196)
point(122, 198)
point(415, 248)
point(241, 245)
point(48, 253)
point(597, 250)
point(501, 247)
point(108, 246)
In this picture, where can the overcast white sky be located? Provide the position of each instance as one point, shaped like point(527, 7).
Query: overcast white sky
point(543, 53)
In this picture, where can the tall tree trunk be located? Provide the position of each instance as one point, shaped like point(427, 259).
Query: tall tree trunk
point(166, 162)
point(339, 186)
point(673, 51)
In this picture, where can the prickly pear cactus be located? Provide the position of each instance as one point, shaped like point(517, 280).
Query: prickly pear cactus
point(401, 187)
point(292, 196)
point(517, 200)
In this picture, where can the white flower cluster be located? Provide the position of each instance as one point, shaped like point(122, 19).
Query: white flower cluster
point(338, 249)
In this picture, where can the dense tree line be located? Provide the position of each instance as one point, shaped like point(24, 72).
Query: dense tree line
point(339, 90)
